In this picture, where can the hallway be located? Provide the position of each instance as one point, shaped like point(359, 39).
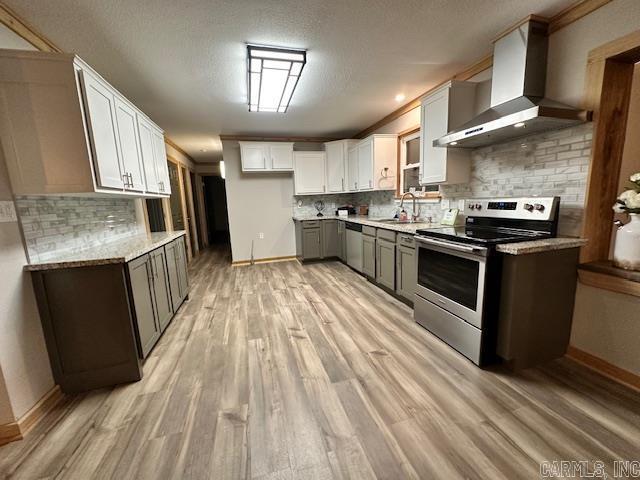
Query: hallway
point(284, 371)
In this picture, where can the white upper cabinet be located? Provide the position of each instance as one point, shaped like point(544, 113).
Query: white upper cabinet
point(266, 157)
point(442, 111)
point(309, 172)
point(374, 162)
point(65, 130)
point(352, 168)
point(337, 165)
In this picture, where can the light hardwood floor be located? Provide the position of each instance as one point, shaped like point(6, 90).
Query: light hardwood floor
point(283, 371)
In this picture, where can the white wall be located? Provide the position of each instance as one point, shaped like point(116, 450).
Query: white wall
point(258, 202)
point(25, 374)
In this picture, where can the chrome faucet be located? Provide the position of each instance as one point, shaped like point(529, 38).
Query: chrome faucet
point(414, 216)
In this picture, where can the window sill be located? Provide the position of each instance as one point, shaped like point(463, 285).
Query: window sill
point(602, 274)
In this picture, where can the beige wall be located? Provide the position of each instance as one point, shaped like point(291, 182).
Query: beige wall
point(25, 372)
point(258, 202)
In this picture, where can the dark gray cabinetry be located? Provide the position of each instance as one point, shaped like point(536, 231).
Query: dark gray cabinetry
point(142, 294)
point(369, 252)
point(329, 238)
point(177, 271)
point(386, 263)
point(311, 247)
point(406, 276)
point(342, 241)
point(161, 291)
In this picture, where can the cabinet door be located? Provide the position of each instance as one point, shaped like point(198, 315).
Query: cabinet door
point(335, 168)
point(253, 157)
point(129, 146)
point(352, 176)
point(311, 247)
point(386, 264)
point(329, 238)
point(365, 165)
point(162, 169)
point(342, 254)
point(406, 277)
point(171, 252)
point(369, 256)
point(433, 160)
point(100, 111)
point(309, 172)
point(141, 280)
point(147, 149)
point(281, 156)
point(162, 295)
point(183, 276)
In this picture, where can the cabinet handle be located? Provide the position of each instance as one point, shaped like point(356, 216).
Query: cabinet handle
point(125, 180)
point(370, 186)
point(355, 184)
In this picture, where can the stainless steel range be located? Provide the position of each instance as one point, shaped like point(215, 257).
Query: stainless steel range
point(459, 270)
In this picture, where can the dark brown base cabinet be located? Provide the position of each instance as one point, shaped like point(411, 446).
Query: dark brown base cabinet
point(101, 321)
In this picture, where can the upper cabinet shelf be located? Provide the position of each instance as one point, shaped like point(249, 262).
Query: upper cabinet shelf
point(65, 130)
point(443, 110)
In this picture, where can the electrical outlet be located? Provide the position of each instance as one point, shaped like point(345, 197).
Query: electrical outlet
point(445, 204)
point(261, 235)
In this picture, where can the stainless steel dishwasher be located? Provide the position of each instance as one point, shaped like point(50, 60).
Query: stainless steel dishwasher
point(354, 246)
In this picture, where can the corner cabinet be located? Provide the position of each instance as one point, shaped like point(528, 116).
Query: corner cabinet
point(309, 173)
point(445, 109)
point(266, 157)
point(372, 163)
point(65, 130)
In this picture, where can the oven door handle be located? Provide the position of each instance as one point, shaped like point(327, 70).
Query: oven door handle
point(452, 246)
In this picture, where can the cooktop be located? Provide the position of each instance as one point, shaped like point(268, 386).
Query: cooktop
point(482, 235)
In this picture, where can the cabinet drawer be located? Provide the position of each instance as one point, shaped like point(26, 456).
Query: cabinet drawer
point(406, 240)
point(311, 224)
point(371, 231)
point(387, 235)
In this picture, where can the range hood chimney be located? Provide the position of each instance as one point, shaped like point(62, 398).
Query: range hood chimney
point(518, 104)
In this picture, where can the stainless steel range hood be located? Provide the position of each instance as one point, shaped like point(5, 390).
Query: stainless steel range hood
point(518, 105)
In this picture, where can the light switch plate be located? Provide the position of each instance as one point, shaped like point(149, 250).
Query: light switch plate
point(445, 204)
point(7, 212)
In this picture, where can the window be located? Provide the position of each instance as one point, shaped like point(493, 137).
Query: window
point(409, 166)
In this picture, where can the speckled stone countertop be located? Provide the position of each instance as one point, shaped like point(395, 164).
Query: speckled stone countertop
point(536, 246)
point(118, 251)
point(372, 222)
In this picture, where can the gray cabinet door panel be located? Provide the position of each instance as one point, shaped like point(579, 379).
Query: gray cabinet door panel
point(406, 275)
point(386, 264)
point(182, 268)
point(164, 304)
point(171, 251)
point(369, 256)
point(311, 247)
point(142, 293)
point(342, 242)
point(330, 238)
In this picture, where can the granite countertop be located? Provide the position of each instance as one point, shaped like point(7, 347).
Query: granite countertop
point(544, 245)
point(118, 251)
point(372, 222)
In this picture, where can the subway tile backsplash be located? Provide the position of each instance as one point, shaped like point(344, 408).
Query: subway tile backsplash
point(55, 225)
point(548, 164)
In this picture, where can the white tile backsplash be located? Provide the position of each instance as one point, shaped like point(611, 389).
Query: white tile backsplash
point(54, 225)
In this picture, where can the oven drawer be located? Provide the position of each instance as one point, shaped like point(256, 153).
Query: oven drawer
point(462, 336)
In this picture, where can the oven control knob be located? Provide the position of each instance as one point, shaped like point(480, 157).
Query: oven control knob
point(528, 207)
point(478, 206)
point(539, 207)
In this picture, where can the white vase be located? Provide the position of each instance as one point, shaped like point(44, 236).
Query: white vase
point(626, 250)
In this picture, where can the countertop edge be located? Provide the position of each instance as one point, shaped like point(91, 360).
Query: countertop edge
point(537, 246)
point(112, 260)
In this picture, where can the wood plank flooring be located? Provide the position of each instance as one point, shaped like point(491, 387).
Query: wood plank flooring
point(283, 371)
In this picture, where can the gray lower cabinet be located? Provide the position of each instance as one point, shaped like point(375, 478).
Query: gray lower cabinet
point(311, 248)
point(177, 272)
point(100, 321)
point(386, 263)
point(342, 241)
point(368, 255)
point(406, 275)
point(329, 238)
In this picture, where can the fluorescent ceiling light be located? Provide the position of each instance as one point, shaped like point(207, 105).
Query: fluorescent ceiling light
point(273, 74)
point(222, 169)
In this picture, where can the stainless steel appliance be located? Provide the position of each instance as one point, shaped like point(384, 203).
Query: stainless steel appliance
point(354, 245)
point(518, 105)
point(457, 292)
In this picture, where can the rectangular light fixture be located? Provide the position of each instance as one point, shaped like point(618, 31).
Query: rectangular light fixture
point(273, 74)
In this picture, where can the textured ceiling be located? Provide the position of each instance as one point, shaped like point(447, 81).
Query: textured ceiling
point(183, 63)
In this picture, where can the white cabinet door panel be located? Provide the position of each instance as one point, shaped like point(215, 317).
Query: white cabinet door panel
point(281, 156)
point(335, 168)
point(365, 166)
point(147, 149)
point(129, 146)
point(162, 170)
point(253, 157)
point(309, 172)
point(100, 111)
point(352, 158)
point(435, 114)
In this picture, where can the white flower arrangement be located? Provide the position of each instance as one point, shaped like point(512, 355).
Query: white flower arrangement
point(629, 200)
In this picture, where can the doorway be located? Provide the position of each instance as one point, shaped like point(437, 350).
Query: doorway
point(215, 202)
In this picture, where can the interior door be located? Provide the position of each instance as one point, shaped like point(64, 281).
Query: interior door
point(365, 166)
point(352, 176)
point(147, 149)
point(100, 111)
point(129, 146)
point(335, 168)
point(281, 157)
